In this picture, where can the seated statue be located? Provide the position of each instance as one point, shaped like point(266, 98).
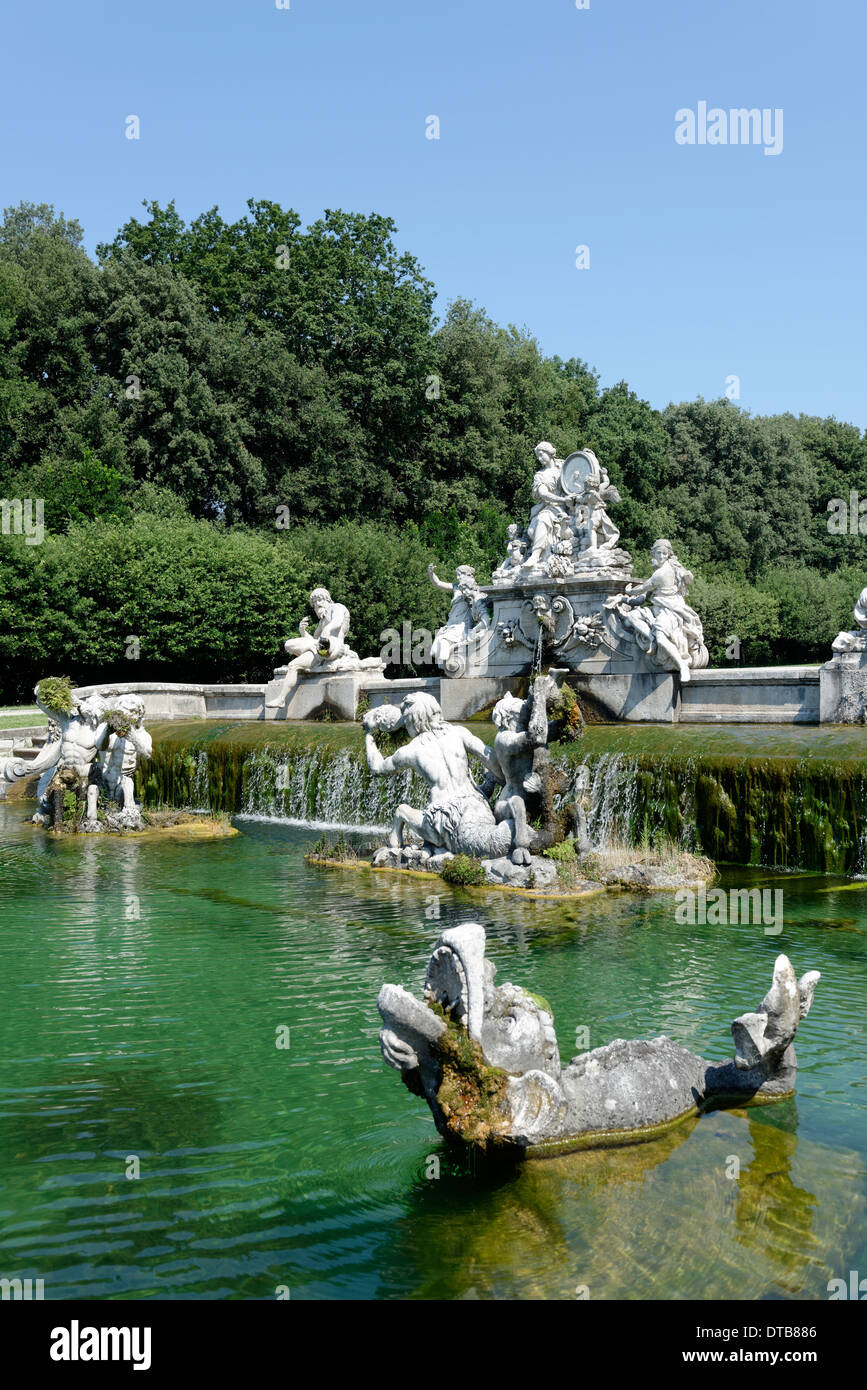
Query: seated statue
point(516, 549)
point(324, 649)
point(486, 1060)
point(468, 618)
point(458, 818)
point(550, 505)
point(669, 631)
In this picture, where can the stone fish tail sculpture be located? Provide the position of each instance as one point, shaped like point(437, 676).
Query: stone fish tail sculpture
point(486, 1060)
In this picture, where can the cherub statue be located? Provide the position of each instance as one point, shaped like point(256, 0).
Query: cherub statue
point(126, 742)
point(561, 563)
point(515, 551)
point(522, 728)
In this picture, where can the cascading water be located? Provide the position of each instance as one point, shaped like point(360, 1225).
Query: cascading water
point(322, 788)
point(201, 789)
point(789, 800)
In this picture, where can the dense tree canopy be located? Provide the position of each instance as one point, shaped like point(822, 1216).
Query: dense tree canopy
point(235, 410)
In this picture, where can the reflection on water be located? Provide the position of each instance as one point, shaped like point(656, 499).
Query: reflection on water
point(142, 987)
point(657, 1220)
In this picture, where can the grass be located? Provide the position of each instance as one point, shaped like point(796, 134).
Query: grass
point(664, 855)
point(27, 720)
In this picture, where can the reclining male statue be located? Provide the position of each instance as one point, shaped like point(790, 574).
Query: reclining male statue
point(486, 1060)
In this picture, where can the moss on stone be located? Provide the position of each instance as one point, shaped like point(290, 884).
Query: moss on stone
point(55, 694)
point(464, 869)
point(472, 1096)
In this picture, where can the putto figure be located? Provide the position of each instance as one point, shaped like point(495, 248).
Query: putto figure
point(127, 741)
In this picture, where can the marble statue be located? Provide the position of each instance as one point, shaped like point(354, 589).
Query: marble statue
point(323, 651)
point(565, 596)
point(669, 631)
point(127, 741)
point(76, 758)
point(569, 530)
point(516, 548)
point(68, 760)
point(522, 729)
point(466, 622)
point(485, 1058)
point(856, 640)
point(458, 818)
point(550, 505)
point(843, 679)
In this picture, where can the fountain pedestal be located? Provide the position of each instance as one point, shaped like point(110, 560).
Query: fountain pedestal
point(581, 633)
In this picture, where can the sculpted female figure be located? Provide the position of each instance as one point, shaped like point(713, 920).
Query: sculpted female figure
point(550, 504)
point(671, 633)
point(467, 614)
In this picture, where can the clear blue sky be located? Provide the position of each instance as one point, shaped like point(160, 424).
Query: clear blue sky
point(557, 129)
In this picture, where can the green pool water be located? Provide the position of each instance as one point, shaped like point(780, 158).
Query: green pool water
point(142, 987)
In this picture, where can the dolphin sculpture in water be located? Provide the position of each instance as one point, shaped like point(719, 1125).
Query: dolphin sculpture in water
point(486, 1060)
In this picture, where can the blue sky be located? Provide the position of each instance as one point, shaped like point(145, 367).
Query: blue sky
point(557, 129)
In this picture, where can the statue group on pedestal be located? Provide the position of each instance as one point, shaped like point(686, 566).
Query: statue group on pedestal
point(564, 593)
point(569, 531)
point(459, 817)
point(93, 745)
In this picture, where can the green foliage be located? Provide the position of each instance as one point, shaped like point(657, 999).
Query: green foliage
point(340, 850)
point(207, 603)
point(563, 853)
point(55, 693)
point(567, 707)
point(812, 609)
point(465, 870)
point(252, 372)
point(734, 609)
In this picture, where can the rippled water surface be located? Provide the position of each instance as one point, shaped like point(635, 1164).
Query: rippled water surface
point(143, 989)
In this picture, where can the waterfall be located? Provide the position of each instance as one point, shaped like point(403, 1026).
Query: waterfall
point(744, 808)
point(319, 786)
point(201, 786)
